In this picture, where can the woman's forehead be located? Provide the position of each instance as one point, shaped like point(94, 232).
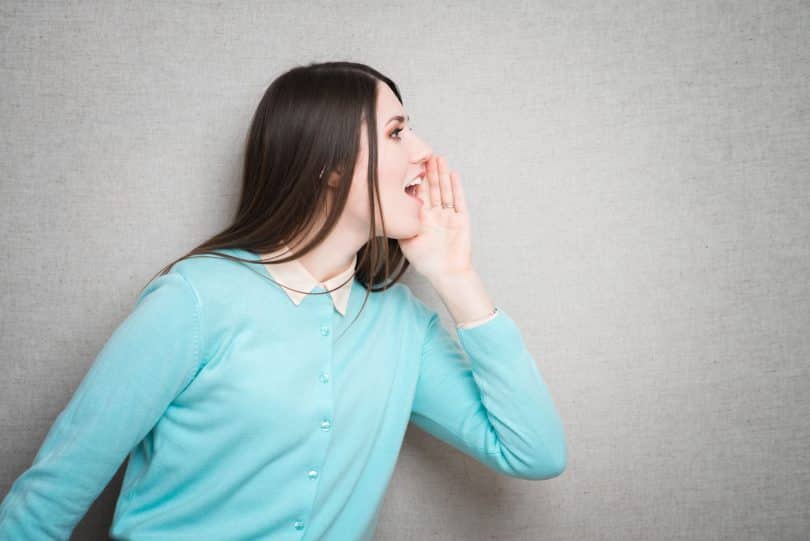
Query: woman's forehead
point(388, 105)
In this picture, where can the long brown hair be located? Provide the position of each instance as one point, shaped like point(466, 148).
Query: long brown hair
point(308, 124)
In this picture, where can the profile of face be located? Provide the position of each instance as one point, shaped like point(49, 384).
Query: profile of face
point(402, 155)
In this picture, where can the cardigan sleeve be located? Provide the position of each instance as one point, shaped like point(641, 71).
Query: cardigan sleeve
point(477, 322)
point(484, 395)
point(147, 361)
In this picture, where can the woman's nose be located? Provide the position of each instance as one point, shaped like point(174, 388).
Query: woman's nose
point(423, 151)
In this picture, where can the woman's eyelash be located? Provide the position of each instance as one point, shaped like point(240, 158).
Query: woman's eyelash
point(396, 131)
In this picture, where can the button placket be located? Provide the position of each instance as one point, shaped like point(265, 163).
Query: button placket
point(326, 330)
point(326, 399)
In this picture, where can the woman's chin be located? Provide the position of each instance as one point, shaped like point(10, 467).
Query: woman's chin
point(404, 231)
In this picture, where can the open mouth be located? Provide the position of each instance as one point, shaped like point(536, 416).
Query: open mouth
point(411, 191)
point(413, 186)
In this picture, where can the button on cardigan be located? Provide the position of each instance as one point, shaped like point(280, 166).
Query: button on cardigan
point(246, 416)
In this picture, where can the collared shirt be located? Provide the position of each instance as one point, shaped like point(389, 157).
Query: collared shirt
point(295, 275)
point(245, 416)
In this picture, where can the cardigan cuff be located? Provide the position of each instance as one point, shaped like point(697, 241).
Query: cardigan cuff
point(475, 323)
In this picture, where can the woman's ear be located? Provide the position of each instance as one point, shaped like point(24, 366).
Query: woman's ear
point(334, 177)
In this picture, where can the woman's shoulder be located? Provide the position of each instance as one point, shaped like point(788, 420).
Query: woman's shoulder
point(212, 276)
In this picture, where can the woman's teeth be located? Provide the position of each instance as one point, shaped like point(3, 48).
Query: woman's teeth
point(415, 182)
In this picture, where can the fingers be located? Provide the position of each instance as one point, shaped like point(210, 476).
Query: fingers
point(443, 186)
point(435, 198)
point(458, 192)
point(446, 197)
point(423, 189)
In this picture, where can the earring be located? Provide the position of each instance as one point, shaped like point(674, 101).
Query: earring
point(322, 170)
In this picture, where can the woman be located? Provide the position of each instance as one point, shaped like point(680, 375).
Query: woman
point(257, 389)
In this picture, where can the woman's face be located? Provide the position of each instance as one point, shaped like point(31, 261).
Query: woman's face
point(402, 155)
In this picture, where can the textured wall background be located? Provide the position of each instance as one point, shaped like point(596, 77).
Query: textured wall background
point(639, 180)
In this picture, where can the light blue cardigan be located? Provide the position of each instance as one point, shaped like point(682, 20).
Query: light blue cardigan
point(248, 417)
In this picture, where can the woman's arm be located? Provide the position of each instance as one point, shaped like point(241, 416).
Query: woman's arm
point(484, 394)
point(498, 409)
point(149, 359)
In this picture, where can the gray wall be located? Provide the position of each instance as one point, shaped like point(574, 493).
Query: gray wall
point(639, 181)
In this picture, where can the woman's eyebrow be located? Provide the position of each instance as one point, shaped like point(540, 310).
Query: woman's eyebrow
point(398, 117)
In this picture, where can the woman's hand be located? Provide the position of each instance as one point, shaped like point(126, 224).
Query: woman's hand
point(442, 246)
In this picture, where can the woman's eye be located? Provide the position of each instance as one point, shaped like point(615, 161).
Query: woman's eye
point(396, 131)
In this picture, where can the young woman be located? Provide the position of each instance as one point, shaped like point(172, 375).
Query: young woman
point(263, 383)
